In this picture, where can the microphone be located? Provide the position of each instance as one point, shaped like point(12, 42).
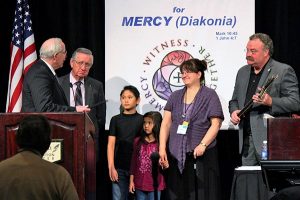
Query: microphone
point(97, 104)
point(154, 158)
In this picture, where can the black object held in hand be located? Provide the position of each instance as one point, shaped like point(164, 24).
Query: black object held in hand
point(71, 86)
point(263, 90)
point(97, 104)
point(154, 158)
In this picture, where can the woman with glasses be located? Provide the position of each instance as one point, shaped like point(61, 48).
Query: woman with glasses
point(192, 119)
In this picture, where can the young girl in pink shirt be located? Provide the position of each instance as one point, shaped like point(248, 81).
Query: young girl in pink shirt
point(146, 179)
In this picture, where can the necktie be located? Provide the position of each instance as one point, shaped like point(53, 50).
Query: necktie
point(78, 94)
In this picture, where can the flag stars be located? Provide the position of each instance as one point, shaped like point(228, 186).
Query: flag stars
point(22, 29)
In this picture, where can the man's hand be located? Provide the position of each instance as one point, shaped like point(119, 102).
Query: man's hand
point(265, 99)
point(234, 117)
point(83, 108)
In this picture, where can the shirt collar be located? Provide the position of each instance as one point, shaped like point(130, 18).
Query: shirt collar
point(73, 80)
point(49, 66)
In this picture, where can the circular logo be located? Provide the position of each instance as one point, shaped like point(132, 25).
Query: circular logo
point(161, 75)
point(167, 78)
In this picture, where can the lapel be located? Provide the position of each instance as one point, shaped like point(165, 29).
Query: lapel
point(244, 88)
point(266, 74)
point(88, 86)
point(65, 84)
point(61, 91)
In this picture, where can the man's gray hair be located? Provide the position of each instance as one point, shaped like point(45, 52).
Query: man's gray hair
point(49, 49)
point(266, 40)
point(84, 51)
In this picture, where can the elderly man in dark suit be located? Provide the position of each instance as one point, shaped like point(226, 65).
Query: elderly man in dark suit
point(26, 175)
point(41, 89)
point(280, 99)
point(83, 90)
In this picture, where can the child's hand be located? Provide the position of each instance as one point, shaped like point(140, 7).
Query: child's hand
point(131, 187)
point(164, 164)
point(163, 160)
point(113, 174)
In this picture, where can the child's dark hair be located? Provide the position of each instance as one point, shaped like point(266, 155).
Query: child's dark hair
point(132, 89)
point(194, 65)
point(157, 118)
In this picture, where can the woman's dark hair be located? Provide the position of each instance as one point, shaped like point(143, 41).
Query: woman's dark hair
point(132, 89)
point(157, 118)
point(34, 133)
point(194, 65)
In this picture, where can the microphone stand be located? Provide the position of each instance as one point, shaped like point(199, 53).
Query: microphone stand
point(154, 158)
point(71, 86)
point(196, 179)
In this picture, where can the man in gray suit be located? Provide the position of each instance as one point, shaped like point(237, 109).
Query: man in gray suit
point(84, 90)
point(281, 98)
point(41, 89)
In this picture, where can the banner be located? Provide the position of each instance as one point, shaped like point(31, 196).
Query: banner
point(146, 41)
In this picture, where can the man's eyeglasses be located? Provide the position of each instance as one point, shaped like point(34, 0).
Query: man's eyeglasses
point(252, 51)
point(63, 52)
point(81, 63)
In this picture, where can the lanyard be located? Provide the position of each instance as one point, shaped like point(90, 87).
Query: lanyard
point(187, 106)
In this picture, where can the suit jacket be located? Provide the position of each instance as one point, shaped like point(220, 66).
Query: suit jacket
point(284, 92)
point(94, 97)
point(27, 176)
point(42, 91)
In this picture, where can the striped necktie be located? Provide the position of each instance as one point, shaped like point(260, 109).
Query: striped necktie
point(78, 94)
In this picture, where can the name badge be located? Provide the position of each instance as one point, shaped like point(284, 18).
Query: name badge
point(182, 128)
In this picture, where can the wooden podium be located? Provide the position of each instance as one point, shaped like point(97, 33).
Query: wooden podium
point(75, 134)
point(282, 169)
point(284, 139)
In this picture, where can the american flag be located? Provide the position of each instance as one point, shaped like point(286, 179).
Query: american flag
point(23, 55)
